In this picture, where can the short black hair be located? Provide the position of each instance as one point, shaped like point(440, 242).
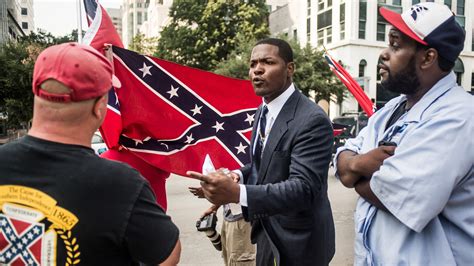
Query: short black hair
point(443, 63)
point(284, 49)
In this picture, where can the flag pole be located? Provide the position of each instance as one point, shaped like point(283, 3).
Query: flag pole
point(79, 21)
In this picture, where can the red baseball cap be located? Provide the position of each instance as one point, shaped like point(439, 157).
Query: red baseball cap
point(81, 68)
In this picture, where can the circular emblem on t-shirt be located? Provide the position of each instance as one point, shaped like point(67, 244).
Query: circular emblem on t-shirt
point(31, 223)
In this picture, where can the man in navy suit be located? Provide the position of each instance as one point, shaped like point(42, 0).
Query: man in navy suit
point(284, 194)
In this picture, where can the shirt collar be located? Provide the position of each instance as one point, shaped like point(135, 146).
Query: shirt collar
point(275, 106)
point(442, 86)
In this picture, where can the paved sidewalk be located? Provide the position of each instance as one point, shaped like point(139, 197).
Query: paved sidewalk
point(198, 250)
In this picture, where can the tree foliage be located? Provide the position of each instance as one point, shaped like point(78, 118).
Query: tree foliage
point(313, 75)
point(143, 45)
point(203, 32)
point(17, 59)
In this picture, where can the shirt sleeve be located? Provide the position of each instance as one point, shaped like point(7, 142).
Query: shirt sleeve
point(416, 183)
point(354, 144)
point(150, 235)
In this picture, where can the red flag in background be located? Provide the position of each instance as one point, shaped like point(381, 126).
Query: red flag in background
point(351, 85)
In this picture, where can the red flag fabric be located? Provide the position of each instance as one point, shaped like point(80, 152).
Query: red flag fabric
point(351, 85)
point(173, 115)
point(102, 31)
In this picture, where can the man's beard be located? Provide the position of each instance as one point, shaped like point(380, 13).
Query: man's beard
point(405, 82)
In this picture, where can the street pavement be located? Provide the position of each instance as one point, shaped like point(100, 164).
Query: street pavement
point(197, 250)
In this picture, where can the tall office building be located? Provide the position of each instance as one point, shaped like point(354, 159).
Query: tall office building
point(355, 33)
point(134, 14)
point(16, 19)
point(27, 16)
point(157, 18)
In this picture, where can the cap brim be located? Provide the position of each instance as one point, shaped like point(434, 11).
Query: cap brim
point(116, 82)
point(397, 21)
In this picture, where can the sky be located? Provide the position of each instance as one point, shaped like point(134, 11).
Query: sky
point(60, 17)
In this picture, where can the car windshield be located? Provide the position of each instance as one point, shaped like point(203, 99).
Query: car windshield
point(96, 139)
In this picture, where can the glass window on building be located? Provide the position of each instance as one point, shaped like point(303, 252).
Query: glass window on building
point(329, 4)
point(458, 70)
point(460, 7)
point(448, 3)
point(320, 37)
point(461, 20)
point(139, 5)
point(329, 35)
point(381, 32)
point(472, 83)
point(309, 7)
point(320, 5)
point(24, 11)
point(414, 2)
point(472, 44)
point(397, 2)
point(308, 28)
point(362, 18)
point(342, 21)
point(362, 66)
point(139, 18)
point(295, 34)
point(381, 1)
point(24, 25)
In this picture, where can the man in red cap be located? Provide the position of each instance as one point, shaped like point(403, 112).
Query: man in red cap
point(413, 163)
point(60, 203)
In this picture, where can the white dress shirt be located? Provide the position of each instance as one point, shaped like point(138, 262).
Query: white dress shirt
point(274, 108)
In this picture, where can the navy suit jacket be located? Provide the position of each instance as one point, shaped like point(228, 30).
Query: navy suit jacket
point(289, 203)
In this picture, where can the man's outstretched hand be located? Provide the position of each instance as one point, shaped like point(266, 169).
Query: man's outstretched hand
point(218, 188)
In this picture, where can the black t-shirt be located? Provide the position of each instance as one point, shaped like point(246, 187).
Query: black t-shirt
point(63, 203)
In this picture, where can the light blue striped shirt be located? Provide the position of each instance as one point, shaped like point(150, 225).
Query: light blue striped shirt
point(427, 185)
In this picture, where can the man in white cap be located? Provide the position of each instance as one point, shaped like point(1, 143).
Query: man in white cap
point(62, 204)
point(413, 163)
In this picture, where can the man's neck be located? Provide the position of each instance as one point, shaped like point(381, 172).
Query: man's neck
point(425, 86)
point(72, 135)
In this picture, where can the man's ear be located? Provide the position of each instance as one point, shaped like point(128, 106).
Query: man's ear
point(100, 107)
point(290, 68)
point(429, 59)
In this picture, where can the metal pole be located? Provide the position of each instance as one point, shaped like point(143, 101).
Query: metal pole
point(79, 19)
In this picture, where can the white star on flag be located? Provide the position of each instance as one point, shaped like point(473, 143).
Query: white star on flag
point(189, 139)
point(173, 92)
point(145, 70)
point(218, 126)
point(250, 119)
point(241, 148)
point(196, 110)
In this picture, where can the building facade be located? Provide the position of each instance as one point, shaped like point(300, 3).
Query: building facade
point(157, 14)
point(354, 33)
point(134, 14)
point(27, 16)
point(16, 19)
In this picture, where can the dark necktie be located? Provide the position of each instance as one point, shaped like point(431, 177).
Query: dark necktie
point(259, 140)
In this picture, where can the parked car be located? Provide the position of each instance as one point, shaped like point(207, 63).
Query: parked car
point(349, 125)
point(98, 144)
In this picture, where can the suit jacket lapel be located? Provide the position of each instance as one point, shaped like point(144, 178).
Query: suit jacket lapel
point(280, 126)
